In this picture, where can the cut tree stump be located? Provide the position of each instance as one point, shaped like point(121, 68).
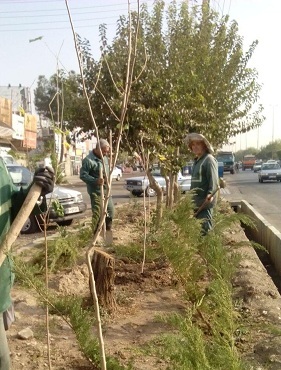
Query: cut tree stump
point(103, 268)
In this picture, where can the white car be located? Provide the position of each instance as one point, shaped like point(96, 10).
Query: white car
point(270, 171)
point(116, 173)
point(71, 201)
point(138, 185)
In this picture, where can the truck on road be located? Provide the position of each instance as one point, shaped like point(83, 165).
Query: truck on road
point(228, 160)
point(248, 162)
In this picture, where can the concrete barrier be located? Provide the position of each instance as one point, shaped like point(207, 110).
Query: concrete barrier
point(264, 234)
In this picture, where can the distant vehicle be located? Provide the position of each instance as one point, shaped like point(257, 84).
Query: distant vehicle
point(271, 161)
point(257, 165)
point(139, 185)
point(116, 173)
point(71, 201)
point(228, 160)
point(120, 167)
point(270, 171)
point(248, 162)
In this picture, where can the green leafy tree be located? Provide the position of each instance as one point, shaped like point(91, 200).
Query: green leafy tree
point(65, 88)
point(251, 150)
point(192, 76)
point(271, 150)
point(195, 77)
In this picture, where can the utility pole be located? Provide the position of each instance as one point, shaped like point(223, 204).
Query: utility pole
point(273, 124)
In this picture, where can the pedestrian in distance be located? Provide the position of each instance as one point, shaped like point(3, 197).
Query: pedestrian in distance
point(11, 199)
point(90, 173)
point(204, 180)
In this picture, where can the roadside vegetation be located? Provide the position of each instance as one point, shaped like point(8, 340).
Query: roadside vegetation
point(204, 335)
point(269, 151)
point(168, 72)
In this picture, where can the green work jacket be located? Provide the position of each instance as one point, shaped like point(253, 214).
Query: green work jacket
point(11, 200)
point(204, 179)
point(90, 172)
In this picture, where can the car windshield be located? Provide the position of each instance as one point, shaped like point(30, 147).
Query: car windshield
point(156, 171)
point(222, 158)
point(20, 175)
point(270, 166)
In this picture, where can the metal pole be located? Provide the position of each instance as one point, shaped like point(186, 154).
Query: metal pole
point(273, 123)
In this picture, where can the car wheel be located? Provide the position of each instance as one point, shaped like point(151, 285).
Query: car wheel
point(118, 178)
point(149, 192)
point(261, 180)
point(30, 226)
point(136, 193)
point(64, 223)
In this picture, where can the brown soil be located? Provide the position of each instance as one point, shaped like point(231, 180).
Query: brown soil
point(140, 298)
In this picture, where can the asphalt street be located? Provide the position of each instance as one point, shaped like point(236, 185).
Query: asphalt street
point(264, 197)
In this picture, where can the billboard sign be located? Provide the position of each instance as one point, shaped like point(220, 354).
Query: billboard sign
point(18, 127)
point(6, 111)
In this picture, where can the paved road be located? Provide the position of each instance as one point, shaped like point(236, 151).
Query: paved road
point(119, 193)
point(264, 197)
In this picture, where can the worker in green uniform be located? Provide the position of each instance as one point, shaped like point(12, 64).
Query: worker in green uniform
point(90, 173)
point(11, 199)
point(204, 180)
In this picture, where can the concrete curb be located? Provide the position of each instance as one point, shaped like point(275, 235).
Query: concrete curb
point(265, 234)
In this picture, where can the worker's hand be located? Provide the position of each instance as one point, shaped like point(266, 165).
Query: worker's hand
point(209, 198)
point(45, 177)
point(100, 181)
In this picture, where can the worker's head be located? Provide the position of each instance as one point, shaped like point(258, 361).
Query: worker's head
point(102, 148)
point(198, 144)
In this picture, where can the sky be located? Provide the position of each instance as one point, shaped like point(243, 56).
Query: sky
point(23, 60)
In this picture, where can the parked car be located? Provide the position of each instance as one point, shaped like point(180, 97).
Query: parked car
point(8, 159)
point(270, 171)
point(140, 184)
point(71, 201)
point(117, 173)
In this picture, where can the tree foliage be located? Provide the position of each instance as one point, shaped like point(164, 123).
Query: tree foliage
point(191, 74)
point(269, 151)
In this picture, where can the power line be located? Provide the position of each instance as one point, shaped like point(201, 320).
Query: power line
point(57, 28)
point(102, 7)
point(64, 9)
point(56, 15)
point(57, 21)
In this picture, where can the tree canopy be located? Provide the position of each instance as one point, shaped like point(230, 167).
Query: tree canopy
point(191, 75)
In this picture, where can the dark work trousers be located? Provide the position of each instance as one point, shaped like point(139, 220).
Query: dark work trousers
point(96, 209)
point(206, 215)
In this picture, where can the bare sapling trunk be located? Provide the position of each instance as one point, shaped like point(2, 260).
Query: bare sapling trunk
point(107, 267)
point(159, 193)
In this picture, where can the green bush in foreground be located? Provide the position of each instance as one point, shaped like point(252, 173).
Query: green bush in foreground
point(203, 338)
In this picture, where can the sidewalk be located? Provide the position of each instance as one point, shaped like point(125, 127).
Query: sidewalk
point(232, 194)
point(71, 180)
